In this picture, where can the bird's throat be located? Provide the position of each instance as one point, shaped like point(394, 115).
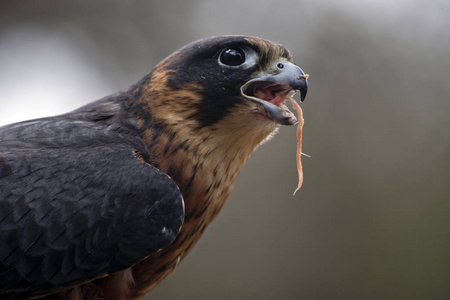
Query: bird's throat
point(204, 164)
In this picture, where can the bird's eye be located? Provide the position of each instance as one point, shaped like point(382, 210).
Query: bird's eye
point(232, 57)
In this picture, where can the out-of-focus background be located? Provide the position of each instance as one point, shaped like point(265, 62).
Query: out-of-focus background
point(372, 220)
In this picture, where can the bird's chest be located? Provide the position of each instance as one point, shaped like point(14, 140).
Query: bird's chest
point(205, 185)
point(204, 165)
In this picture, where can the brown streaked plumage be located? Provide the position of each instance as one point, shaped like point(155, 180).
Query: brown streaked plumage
point(189, 119)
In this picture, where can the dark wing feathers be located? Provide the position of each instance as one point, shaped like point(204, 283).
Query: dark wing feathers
point(75, 204)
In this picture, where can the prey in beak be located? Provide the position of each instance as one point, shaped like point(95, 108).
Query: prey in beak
point(274, 89)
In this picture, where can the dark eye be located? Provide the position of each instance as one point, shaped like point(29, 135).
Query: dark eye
point(232, 57)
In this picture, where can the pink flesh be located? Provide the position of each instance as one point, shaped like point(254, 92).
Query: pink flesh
point(299, 142)
point(277, 94)
point(271, 93)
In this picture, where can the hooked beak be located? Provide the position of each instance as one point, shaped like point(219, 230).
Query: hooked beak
point(273, 90)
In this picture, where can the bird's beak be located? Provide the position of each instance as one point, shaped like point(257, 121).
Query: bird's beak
point(271, 90)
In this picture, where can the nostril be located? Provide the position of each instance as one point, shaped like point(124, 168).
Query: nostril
point(280, 66)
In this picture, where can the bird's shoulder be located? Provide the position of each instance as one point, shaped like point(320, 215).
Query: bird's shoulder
point(100, 122)
point(78, 200)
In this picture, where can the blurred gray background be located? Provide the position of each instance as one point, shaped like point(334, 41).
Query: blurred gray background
point(372, 219)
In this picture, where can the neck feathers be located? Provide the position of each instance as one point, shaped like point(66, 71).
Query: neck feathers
point(204, 161)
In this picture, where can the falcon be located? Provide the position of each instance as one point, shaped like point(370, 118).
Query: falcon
point(105, 201)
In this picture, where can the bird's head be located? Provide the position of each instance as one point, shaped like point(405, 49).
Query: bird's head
point(205, 108)
point(227, 82)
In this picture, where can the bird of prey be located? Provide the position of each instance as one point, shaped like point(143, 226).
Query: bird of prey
point(104, 202)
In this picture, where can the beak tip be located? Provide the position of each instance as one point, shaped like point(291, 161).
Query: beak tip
point(303, 91)
point(301, 84)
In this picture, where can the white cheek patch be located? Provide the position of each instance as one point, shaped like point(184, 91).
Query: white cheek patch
point(251, 58)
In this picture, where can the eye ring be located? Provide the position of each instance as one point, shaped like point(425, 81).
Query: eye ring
point(232, 57)
point(280, 66)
